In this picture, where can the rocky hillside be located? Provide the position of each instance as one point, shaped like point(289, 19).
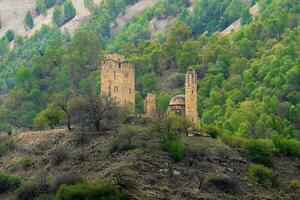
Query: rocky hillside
point(210, 170)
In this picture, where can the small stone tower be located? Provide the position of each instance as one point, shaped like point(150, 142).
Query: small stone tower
point(117, 80)
point(191, 95)
point(150, 105)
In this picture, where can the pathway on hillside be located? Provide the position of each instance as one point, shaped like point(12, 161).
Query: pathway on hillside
point(131, 12)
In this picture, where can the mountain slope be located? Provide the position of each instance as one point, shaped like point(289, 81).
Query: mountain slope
point(147, 172)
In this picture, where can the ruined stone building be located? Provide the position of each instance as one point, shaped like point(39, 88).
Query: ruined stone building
point(117, 80)
point(150, 105)
point(186, 104)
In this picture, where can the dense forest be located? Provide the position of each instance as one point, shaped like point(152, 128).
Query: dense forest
point(249, 81)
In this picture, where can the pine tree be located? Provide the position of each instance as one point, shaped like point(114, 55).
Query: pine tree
point(69, 11)
point(246, 17)
point(10, 35)
point(28, 21)
point(57, 16)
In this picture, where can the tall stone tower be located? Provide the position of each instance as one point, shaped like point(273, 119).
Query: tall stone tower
point(191, 95)
point(150, 105)
point(117, 80)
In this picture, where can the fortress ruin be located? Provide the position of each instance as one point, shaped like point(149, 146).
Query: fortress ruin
point(186, 104)
point(118, 81)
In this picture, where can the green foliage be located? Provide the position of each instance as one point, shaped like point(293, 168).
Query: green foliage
point(26, 163)
point(8, 183)
point(57, 17)
point(65, 179)
point(289, 147)
point(96, 191)
point(69, 11)
point(28, 21)
point(171, 130)
point(6, 145)
point(10, 35)
point(262, 175)
point(235, 141)
point(48, 118)
point(213, 131)
point(259, 151)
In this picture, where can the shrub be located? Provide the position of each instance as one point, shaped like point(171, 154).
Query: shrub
point(235, 141)
point(213, 131)
point(68, 179)
point(26, 163)
point(6, 146)
point(289, 147)
point(82, 191)
point(259, 151)
point(10, 35)
point(8, 183)
point(27, 191)
point(57, 156)
point(295, 185)
point(224, 183)
point(176, 148)
point(262, 175)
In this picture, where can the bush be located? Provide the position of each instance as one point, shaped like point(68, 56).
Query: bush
point(57, 156)
point(259, 151)
point(262, 175)
point(224, 183)
point(26, 163)
point(27, 191)
point(213, 131)
point(10, 35)
point(295, 185)
point(234, 141)
point(67, 179)
point(97, 191)
point(6, 146)
point(176, 148)
point(8, 183)
point(289, 147)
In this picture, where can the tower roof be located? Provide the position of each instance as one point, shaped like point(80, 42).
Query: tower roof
point(115, 57)
point(178, 100)
point(190, 70)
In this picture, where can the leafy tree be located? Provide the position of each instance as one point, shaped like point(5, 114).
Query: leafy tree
point(48, 118)
point(28, 21)
point(246, 17)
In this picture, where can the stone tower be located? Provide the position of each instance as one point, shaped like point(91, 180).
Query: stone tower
point(191, 95)
point(150, 105)
point(117, 80)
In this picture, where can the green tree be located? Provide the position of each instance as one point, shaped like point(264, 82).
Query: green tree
point(57, 17)
point(10, 35)
point(69, 11)
point(49, 118)
point(28, 21)
point(246, 17)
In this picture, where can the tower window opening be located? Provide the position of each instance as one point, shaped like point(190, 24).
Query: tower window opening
point(192, 91)
point(114, 74)
point(129, 90)
point(116, 89)
point(119, 65)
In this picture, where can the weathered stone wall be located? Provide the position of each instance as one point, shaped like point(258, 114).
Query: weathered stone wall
point(117, 80)
point(191, 95)
point(150, 105)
